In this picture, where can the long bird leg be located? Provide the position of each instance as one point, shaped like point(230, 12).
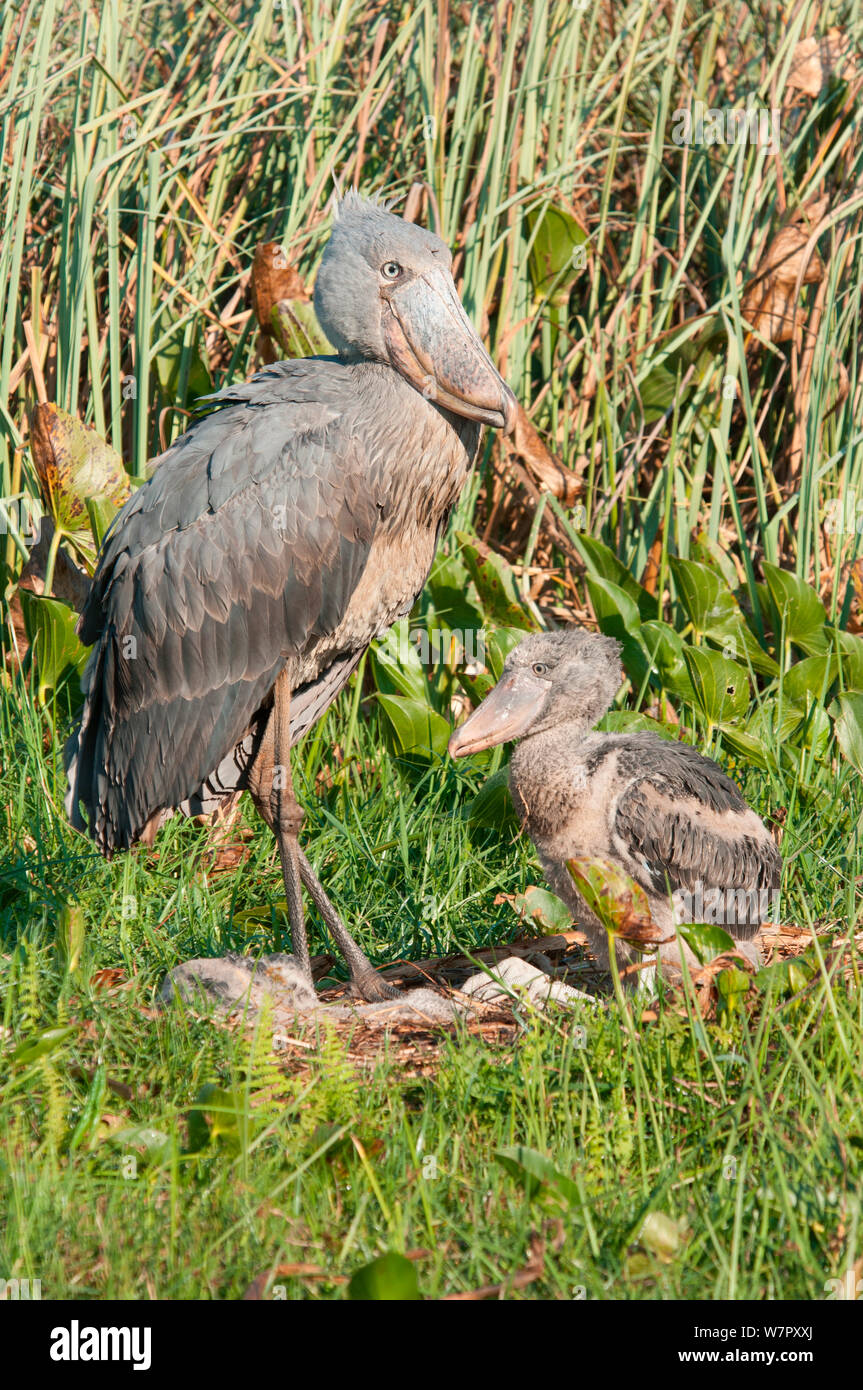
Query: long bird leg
point(286, 818)
point(272, 789)
point(366, 981)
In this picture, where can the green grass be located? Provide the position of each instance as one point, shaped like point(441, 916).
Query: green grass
point(749, 1137)
point(146, 150)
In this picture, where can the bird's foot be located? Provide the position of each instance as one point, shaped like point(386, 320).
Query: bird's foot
point(372, 987)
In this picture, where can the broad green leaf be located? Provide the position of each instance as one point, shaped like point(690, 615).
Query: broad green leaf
point(617, 616)
point(721, 687)
point(812, 677)
point(418, 729)
point(396, 665)
point(602, 563)
point(70, 934)
point(665, 649)
point(703, 593)
point(297, 329)
point(618, 901)
point(847, 712)
point(706, 941)
point(168, 363)
point(851, 649)
point(73, 463)
point(543, 908)
point(708, 552)
point(554, 263)
point(799, 613)
point(101, 512)
point(219, 1113)
point(747, 746)
point(495, 584)
point(57, 652)
point(499, 644)
point(151, 1145)
point(535, 1172)
point(391, 1278)
point(41, 1043)
point(492, 806)
point(627, 721)
point(787, 977)
point(731, 984)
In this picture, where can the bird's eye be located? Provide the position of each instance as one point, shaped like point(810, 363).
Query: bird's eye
point(539, 668)
point(391, 270)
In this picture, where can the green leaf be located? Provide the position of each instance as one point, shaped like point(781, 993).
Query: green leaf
point(389, 1278)
point(41, 1043)
point(297, 329)
point(703, 594)
point(813, 677)
point(706, 941)
point(498, 647)
point(218, 1113)
point(663, 1235)
point(732, 984)
point(602, 563)
point(721, 687)
point(617, 614)
point(746, 745)
point(417, 728)
point(543, 908)
point(496, 585)
point(665, 650)
point(534, 1172)
point(851, 649)
point(618, 901)
point(151, 1145)
point(168, 362)
point(57, 652)
point(627, 721)
point(492, 806)
point(553, 260)
point(799, 612)
point(70, 935)
point(396, 665)
point(847, 712)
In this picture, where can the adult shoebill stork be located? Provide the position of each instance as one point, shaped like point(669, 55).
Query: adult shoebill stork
point(668, 816)
point(238, 589)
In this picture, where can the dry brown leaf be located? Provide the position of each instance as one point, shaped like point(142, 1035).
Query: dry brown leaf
point(816, 60)
point(769, 300)
point(272, 279)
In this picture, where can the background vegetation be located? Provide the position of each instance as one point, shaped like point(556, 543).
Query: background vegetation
point(680, 323)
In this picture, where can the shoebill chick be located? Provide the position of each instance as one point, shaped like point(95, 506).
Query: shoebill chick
point(669, 817)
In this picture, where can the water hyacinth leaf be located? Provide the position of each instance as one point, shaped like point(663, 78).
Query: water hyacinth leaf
point(555, 260)
point(665, 650)
point(721, 687)
point(41, 1044)
point(746, 745)
point(396, 665)
point(169, 362)
point(731, 985)
point(617, 616)
point(543, 908)
point(851, 657)
point(811, 677)
point(495, 583)
point(799, 614)
point(70, 935)
point(418, 729)
point(536, 1173)
point(706, 941)
point(73, 463)
point(602, 563)
point(498, 647)
point(847, 712)
point(57, 652)
point(627, 721)
point(703, 594)
point(618, 901)
point(389, 1278)
point(492, 806)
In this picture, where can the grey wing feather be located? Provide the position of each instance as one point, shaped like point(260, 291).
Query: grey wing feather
point(242, 550)
point(687, 823)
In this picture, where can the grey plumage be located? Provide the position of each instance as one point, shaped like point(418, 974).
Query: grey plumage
point(278, 537)
point(670, 817)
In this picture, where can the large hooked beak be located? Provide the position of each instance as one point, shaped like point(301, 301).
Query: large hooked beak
point(434, 345)
point(506, 713)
